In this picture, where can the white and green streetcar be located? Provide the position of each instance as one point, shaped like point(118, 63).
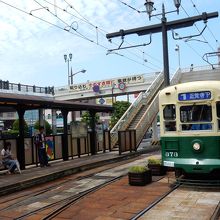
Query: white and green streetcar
point(190, 127)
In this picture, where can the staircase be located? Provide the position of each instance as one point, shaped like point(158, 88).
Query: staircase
point(145, 108)
point(138, 117)
point(137, 109)
point(152, 110)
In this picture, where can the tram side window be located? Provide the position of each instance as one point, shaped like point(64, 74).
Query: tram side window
point(196, 117)
point(169, 115)
point(218, 113)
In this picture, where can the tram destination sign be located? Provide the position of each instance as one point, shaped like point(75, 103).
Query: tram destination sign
point(188, 96)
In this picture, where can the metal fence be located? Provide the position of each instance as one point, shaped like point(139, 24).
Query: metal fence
point(7, 86)
point(76, 146)
point(127, 141)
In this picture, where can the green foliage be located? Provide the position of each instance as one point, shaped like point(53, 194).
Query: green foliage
point(138, 169)
point(47, 126)
point(119, 109)
point(153, 160)
point(88, 119)
point(15, 126)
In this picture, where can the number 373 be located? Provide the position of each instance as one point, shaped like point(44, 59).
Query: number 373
point(171, 154)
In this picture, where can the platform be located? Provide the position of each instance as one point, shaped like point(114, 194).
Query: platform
point(37, 175)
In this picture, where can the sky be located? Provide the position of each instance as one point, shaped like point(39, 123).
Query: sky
point(35, 35)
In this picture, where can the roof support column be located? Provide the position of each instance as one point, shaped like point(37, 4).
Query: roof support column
point(20, 140)
point(65, 152)
point(54, 121)
point(93, 141)
point(41, 117)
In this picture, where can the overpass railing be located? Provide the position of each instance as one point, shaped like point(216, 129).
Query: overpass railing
point(6, 86)
point(152, 111)
point(143, 98)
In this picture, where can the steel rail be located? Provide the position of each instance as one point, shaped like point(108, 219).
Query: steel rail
point(154, 203)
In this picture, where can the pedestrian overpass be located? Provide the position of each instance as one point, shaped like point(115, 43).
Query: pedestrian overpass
point(124, 85)
point(142, 113)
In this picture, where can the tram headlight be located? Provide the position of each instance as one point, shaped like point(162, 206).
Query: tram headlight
point(196, 146)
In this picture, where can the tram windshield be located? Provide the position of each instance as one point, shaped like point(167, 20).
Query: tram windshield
point(196, 117)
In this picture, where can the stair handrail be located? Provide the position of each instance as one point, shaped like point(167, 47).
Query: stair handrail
point(127, 112)
point(148, 118)
point(152, 110)
point(135, 103)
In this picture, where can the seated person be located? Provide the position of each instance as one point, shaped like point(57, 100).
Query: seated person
point(7, 159)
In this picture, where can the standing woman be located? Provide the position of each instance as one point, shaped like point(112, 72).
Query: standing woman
point(7, 159)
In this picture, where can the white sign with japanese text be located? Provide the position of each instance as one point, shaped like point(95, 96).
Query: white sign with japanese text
point(108, 83)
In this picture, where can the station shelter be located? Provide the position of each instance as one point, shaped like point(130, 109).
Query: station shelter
point(10, 102)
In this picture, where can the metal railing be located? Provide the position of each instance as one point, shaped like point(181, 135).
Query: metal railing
point(153, 109)
point(143, 98)
point(199, 68)
point(6, 86)
point(76, 148)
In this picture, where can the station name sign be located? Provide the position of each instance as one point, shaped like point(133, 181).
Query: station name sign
point(190, 96)
point(110, 83)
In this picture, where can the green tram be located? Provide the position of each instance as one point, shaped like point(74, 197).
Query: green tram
point(190, 127)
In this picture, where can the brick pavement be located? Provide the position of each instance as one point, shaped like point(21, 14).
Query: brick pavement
point(116, 201)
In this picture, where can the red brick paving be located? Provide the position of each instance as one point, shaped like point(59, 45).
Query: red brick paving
point(115, 202)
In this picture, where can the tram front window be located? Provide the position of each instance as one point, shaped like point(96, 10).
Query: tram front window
point(196, 117)
point(169, 115)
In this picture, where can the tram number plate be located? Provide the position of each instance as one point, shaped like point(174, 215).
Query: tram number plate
point(171, 154)
point(168, 163)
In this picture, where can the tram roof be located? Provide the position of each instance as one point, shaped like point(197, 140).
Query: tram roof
point(192, 86)
point(10, 101)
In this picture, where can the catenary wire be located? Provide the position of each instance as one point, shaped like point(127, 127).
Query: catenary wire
point(194, 5)
point(100, 31)
point(78, 35)
point(198, 29)
point(86, 20)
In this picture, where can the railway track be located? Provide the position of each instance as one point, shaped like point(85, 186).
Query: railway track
point(206, 193)
point(59, 195)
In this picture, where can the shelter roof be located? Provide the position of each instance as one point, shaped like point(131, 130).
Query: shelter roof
point(11, 101)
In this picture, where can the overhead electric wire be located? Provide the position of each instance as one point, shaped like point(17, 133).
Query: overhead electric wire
point(86, 20)
point(78, 35)
point(194, 5)
point(62, 21)
point(100, 29)
point(48, 22)
point(198, 29)
point(106, 31)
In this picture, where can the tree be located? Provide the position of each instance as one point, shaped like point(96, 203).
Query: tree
point(47, 126)
point(119, 109)
point(15, 126)
point(88, 119)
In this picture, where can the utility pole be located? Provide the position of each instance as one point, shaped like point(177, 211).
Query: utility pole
point(163, 27)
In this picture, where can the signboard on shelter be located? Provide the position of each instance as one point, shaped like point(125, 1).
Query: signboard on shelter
point(78, 129)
